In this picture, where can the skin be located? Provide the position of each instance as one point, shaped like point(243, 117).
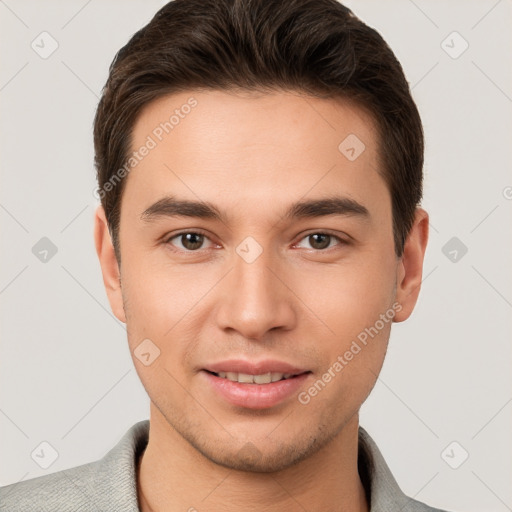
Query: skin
point(252, 155)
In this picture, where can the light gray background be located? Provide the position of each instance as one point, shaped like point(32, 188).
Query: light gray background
point(66, 373)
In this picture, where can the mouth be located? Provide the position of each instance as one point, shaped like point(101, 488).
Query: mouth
point(262, 378)
point(248, 385)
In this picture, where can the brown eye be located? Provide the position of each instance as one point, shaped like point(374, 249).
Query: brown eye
point(320, 241)
point(190, 241)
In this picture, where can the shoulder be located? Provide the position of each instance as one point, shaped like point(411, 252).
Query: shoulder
point(411, 505)
point(382, 488)
point(103, 485)
point(67, 490)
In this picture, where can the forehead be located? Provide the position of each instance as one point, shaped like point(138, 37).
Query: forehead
point(244, 147)
point(206, 117)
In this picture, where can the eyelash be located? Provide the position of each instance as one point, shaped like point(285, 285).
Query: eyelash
point(341, 241)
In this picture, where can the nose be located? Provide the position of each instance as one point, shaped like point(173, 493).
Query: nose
point(254, 298)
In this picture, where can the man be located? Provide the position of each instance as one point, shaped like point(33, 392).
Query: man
point(260, 174)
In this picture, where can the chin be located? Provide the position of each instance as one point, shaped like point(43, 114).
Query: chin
point(259, 457)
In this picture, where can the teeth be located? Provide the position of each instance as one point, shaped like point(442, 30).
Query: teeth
point(276, 376)
point(263, 379)
point(245, 378)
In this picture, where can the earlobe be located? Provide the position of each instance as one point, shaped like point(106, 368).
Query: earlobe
point(109, 265)
point(410, 266)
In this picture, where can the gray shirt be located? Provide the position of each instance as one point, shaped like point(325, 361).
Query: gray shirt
point(109, 484)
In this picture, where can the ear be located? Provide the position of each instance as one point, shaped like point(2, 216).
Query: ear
point(109, 265)
point(410, 266)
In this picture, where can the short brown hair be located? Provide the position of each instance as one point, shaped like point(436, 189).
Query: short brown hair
point(314, 46)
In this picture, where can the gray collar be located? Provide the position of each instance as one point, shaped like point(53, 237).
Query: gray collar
point(117, 472)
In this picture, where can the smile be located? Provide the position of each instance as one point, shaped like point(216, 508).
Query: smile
point(245, 378)
point(260, 391)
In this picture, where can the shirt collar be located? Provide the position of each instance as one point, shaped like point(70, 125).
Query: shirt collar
point(117, 473)
point(378, 481)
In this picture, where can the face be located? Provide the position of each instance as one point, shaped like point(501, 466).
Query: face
point(253, 243)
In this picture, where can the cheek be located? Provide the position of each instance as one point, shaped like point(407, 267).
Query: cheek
point(353, 353)
point(159, 294)
point(166, 304)
point(159, 305)
point(349, 297)
point(350, 302)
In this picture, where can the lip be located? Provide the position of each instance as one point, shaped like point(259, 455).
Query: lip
point(254, 368)
point(254, 396)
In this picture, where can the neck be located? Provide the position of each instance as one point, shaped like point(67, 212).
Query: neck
point(172, 476)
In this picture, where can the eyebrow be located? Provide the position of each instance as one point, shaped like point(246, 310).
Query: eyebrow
point(169, 206)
